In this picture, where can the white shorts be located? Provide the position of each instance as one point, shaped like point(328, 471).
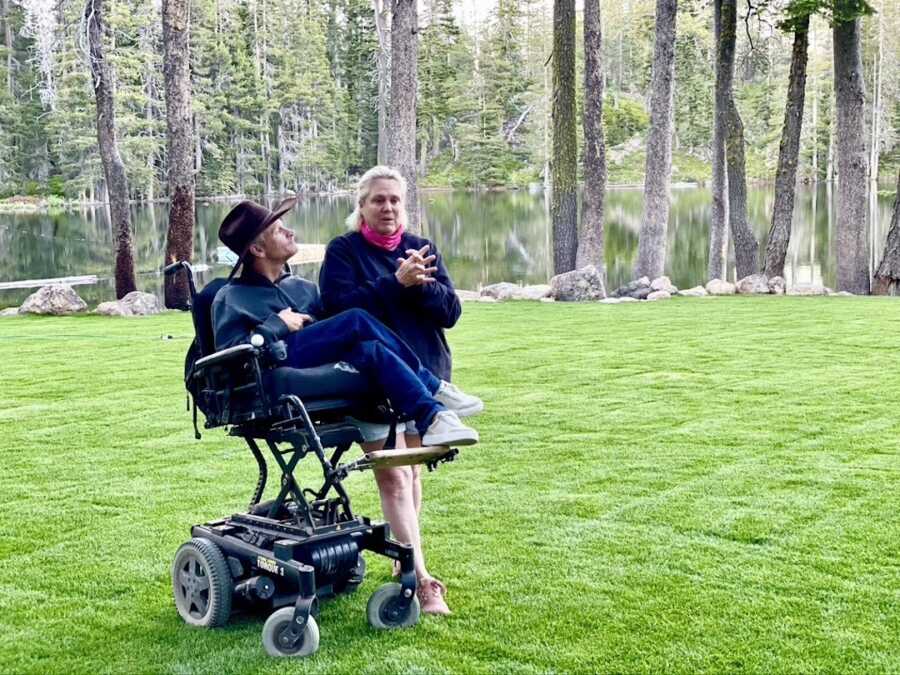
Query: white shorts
point(374, 431)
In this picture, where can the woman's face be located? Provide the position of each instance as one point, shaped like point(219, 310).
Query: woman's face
point(383, 209)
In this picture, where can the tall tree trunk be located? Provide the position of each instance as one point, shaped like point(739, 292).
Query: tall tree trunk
point(718, 233)
point(176, 69)
point(383, 10)
point(746, 248)
point(590, 239)
point(788, 152)
point(404, 83)
point(563, 166)
point(113, 168)
point(8, 43)
point(652, 243)
point(887, 276)
point(852, 235)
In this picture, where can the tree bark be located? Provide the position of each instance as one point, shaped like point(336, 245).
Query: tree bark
point(383, 12)
point(718, 234)
point(401, 148)
point(788, 153)
point(590, 239)
point(746, 248)
point(176, 69)
point(887, 276)
point(852, 234)
point(563, 166)
point(113, 168)
point(652, 242)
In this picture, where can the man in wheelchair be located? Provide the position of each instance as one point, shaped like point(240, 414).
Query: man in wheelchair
point(268, 301)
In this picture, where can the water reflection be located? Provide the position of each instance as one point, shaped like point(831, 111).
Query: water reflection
point(485, 237)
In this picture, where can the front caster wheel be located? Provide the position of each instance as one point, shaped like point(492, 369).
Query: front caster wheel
point(276, 636)
point(384, 610)
point(201, 583)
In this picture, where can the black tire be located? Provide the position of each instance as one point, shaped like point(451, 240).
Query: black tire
point(382, 610)
point(202, 584)
point(277, 623)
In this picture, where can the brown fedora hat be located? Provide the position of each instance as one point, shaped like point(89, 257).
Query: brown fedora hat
point(245, 222)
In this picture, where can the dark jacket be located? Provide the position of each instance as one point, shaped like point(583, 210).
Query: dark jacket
point(357, 274)
point(250, 303)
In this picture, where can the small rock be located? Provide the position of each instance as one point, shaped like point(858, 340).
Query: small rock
point(141, 304)
point(10, 311)
point(56, 299)
point(776, 285)
point(843, 294)
point(806, 289)
point(628, 298)
point(548, 300)
point(467, 296)
point(719, 287)
point(611, 301)
point(695, 292)
point(578, 285)
point(487, 298)
point(659, 295)
point(753, 284)
point(829, 291)
point(113, 308)
point(664, 284)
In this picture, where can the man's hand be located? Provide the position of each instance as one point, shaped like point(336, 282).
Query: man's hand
point(294, 320)
point(416, 269)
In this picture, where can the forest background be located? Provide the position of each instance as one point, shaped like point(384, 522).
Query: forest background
point(285, 94)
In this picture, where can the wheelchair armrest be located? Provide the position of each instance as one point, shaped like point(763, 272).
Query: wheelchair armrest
point(235, 354)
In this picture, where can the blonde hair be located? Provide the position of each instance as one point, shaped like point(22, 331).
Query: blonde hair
point(364, 187)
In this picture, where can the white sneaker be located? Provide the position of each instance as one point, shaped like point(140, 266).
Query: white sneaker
point(447, 429)
point(453, 398)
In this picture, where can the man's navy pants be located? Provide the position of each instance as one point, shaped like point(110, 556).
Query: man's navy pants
point(358, 338)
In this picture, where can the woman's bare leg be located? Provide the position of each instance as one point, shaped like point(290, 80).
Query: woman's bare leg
point(395, 486)
point(414, 441)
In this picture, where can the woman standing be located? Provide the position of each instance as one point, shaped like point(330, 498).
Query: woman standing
point(400, 279)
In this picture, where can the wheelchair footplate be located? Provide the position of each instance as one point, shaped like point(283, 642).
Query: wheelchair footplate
point(431, 456)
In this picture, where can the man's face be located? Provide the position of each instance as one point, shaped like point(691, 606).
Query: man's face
point(383, 209)
point(276, 243)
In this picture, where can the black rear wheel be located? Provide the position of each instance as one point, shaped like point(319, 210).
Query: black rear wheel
point(201, 584)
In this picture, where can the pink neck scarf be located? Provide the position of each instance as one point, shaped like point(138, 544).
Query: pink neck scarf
point(388, 242)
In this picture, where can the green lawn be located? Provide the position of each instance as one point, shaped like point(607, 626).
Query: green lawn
point(691, 485)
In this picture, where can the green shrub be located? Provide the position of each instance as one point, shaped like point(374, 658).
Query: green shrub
point(623, 118)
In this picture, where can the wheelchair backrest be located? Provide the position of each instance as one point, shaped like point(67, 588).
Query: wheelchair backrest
point(201, 309)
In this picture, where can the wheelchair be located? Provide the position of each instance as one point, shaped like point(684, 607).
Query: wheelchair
point(285, 554)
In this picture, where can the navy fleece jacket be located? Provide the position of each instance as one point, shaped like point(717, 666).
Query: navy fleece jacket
point(357, 274)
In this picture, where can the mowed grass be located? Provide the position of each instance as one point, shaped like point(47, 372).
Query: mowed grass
point(691, 485)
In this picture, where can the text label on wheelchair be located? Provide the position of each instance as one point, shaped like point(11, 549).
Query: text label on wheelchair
point(269, 565)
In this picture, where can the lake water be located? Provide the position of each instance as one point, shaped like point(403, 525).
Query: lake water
point(484, 237)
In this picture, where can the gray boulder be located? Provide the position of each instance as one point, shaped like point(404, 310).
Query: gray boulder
point(611, 301)
point(719, 287)
point(695, 292)
point(753, 284)
point(664, 284)
point(628, 298)
point(113, 308)
point(9, 311)
point(640, 293)
point(56, 299)
point(631, 287)
point(467, 296)
point(141, 304)
point(578, 285)
point(487, 298)
point(507, 291)
point(776, 285)
point(842, 294)
point(659, 295)
point(806, 289)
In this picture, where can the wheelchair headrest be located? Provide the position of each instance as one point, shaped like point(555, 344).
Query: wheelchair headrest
point(202, 313)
